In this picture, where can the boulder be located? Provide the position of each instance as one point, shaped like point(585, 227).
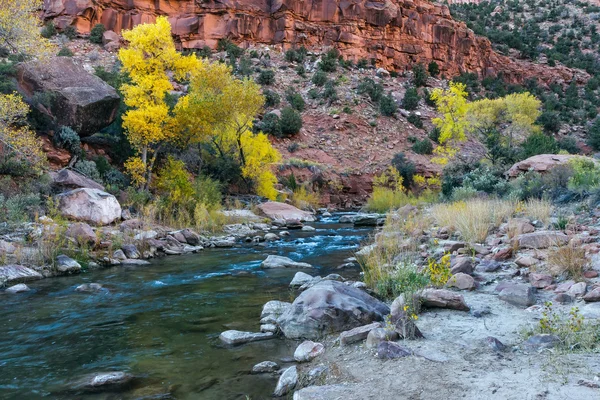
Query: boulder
point(526, 261)
point(265, 367)
point(541, 341)
point(441, 298)
point(234, 337)
point(7, 247)
point(518, 295)
point(273, 261)
point(130, 251)
point(287, 382)
point(89, 287)
point(281, 211)
point(271, 237)
point(308, 350)
point(540, 281)
point(328, 307)
point(379, 335)
point(104, 381)
point(519, 226)
point(20, 288)
point(82, 233)
point(191, 237)
point(66, 265)
point(541, 163)
point(391, 350)
point(80, 99)
point(357, 334)
point(592, 296)
point(13, 273)
point(67, 179)
point(300, 279)
point(462, 264)
point(578, 290)
point(367, 219)
point(542, 239)
point(110, 36)
point(461, 281)
point(90, 205)
point(274, 308)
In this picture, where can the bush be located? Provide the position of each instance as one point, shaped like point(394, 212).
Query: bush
point(319, 78)
point(305, 200)
point(295, 100)
point(569, 144)
point(272, 99)
point(586, 175)
point(410, 101)
point(453, 176)
point(66, 138)
point(244, 67)
point(593, 135)
point(65, 52)
point(371, 88)
point(415, 120)
point(329, 61)
point(550, 121)
point(19, 207)
point(204, 52)
point(301, 71)
point(116, 178)
point(423, 147)
point(433, 68)
point(484, 179)
point(387, 105)
point(88, 168)
point(434, 134)
point(271, 125)
point(419, 75)
point(266, 77)
point(362, 63)
point(49, 30)
point(296, 55)
point(538, 143)
point(428, 99)
point(96, 33)
point(290, 122)
point(313, 93)
point(406, 168)
point(329, 92)
point(70, 32)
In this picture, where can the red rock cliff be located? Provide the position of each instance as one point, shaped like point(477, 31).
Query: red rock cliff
point(397, 33)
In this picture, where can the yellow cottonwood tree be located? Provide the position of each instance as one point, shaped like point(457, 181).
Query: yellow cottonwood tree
point(451, 103)
point(219, 109)
point(16, 139)
point(19, 28)
point(149, 58)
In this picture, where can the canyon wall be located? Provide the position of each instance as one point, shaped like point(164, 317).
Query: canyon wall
point(397, 33)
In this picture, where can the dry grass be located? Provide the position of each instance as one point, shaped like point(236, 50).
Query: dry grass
point(305, 200)
point(384, 199)
point(473, 218)
point(538, 210)
point(567, 260)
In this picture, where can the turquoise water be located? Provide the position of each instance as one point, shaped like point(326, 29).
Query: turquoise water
point(160, 322)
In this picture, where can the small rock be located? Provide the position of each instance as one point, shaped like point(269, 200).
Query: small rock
point(503, 254)
point(461, 264)
point(495, 344)
point(562, 298)
point(104, 381)
point(67, 265)
point(379, 335)
point(119, 255)
point(273, 261)
point(518, 226)
point(542, 341)
point(300, 279)
point(264, 367)
point(20, 288)
point(357, 334)
point(488, 266)
point(564, 287)
point(542, 239)
point(287, 382)
point(592, 296)
point(82, 233)
point(461, 281)
point(540, 281)
point(130, 251)
point(308, 350)
point(274, 308)
point(271, 237)
point(269, 328)
point(89, 287)
point(238, 337)
point(590, 274)
point(577, 290)
point(518, 295)
point(391, 350)
point(440, 298)
point(526, 261)
point(308, 228)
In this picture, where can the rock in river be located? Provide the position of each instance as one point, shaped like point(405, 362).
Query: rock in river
point(287, 382)
point(327, 307)
point(239, 337)
point(17, 273)
point(104, 381)
point(273, 261)
point(264, 367)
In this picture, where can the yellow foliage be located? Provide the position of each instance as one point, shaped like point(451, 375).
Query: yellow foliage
point(19, 28)
point(304, 199)
point(390, 178)
point(175, 182)
point(439, 273)
point(17, 139)
point(452, 104)
point(136, 169)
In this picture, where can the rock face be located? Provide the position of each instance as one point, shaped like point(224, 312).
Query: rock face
point(281, 211)
point(81, 100)
point(328, 307)
point(541, 163)
point(90, 205)
point(396, 33)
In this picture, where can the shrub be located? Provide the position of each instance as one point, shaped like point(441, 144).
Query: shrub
point(65, 52)
point(116, 178)
point(362, 63)
point(485, 179)
point(439, 272)
point(423, 147)
point(586, 175)
point(419, 75)
point(66, 138)
point(290, 122)
point(295, 100)
point(305, 200)
point(428, 99)
point(96, 33)
point(406, 168)
point(387, 105)
point(204, 52)
point(49, 30)
point(88, 168)
point(453, 176)
point(415, 120)
point(319, 78)
point(19, 207)
point(70, 32)
point(296, 55)
point(433, 68)
point(434, 134)
point(329, 91)
point(272, 99)
point(569, 144)
point(593, 135)
point(473, 218)
point(371, 88)
point(244, 67)
point(567, 261)
point(266, 77)
point(410, 101)
point(313, 93)
point(271, 125)
point(329, 61)
point(301, 71)
point(538, 143)
point(550, 121)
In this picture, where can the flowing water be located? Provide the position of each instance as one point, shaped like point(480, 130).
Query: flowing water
point(160, 322)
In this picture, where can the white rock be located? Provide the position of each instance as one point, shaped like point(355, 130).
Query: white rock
point(308, 350)
point(240, 337)
point(89, 205)
point(21, 287)
point(273, 261)
point(287, 382)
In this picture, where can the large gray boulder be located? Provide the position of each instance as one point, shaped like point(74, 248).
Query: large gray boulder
point(273, 261)
point(89, 205)
point(67, 179)
point(79, 99)
point(328, 307)
point(10, 274)
point(281, 211)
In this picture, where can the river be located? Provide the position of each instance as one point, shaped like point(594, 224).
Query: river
point(161, 322)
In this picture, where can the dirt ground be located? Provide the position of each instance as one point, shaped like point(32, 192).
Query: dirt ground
point(454, 361)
